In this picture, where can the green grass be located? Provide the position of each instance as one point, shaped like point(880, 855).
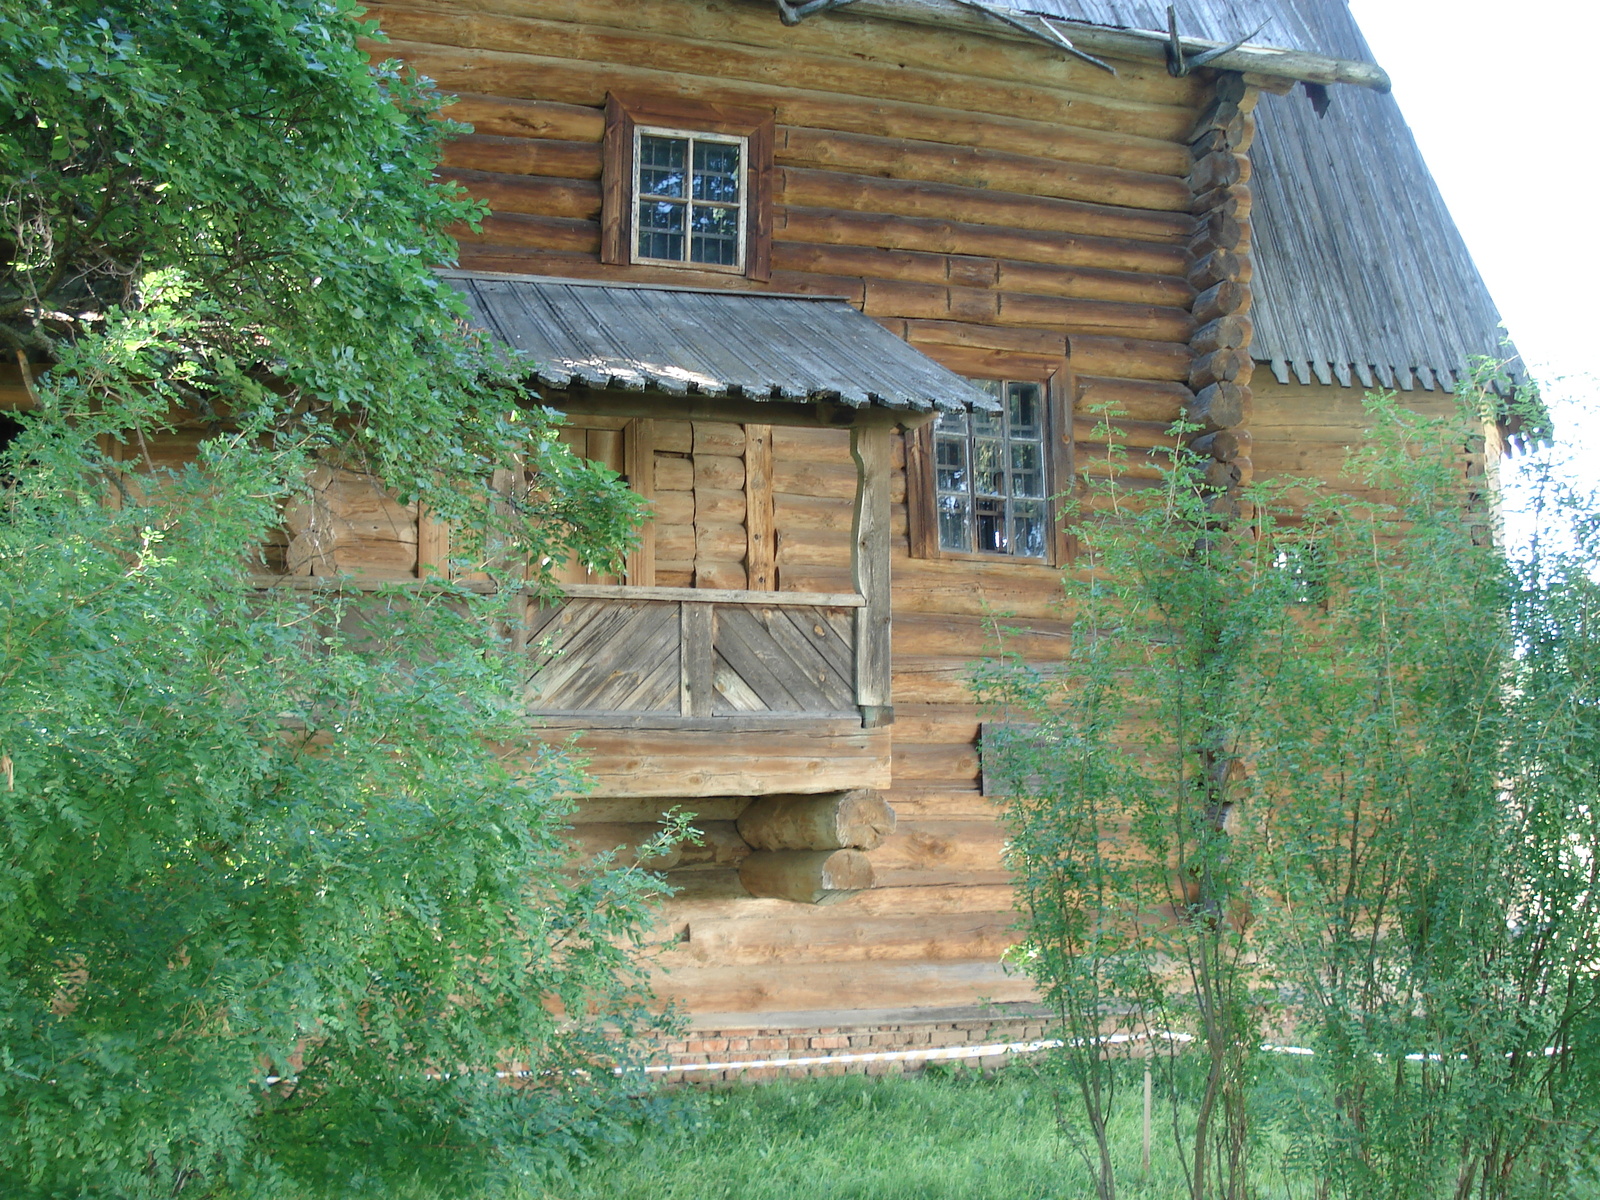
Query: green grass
point(958, 1136)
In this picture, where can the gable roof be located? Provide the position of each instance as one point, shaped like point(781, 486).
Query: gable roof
point(685, 340)
point(1360, 273)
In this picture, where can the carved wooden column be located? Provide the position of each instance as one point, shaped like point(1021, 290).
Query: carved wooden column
point(869, 446)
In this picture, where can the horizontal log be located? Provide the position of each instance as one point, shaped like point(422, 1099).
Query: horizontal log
point(1224, 445)
point(1043, 343)
point(722, 471)
point(623, 841)
point(500, 116)
point(814, 547)
point(810, 938)
point(675, 542)
point(994, 364)
point(912, 266)
point(810, 513)
point(878, 902)
point(518, 230)
point(1145, 435)
point(806, 756)
point(811, 445)
point(718, 437)
point(651, 810)
point(1220, 406)
point(1224, 333)
point(949, 846)
point(969, 638)
point(1220, 266)
point(715, 542)
point(1048, 245)
point(887, 298)
point(840, 36)
point(953, 763)
point(1217, 231)
point(1101, 461)
point(829, 480)
point(672, 509)
point(674, 474)
point(721, 506)
point(1221, 300)
point(1234, 201)
point(909, 198)
point(536, 196)
point(940, 586)
point(799, 577)
point(730, 996)
point(980, 167)
point(647, 63)
point(858, 820)
point(806, 876)
point(1136, 400)
point(1219, 170)
point(728, 575)
point(1222, 475)
point(1130, 358)
point(1222, 366)
point(523, 156)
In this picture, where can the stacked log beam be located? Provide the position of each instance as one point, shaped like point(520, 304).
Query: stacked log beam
point(1219, 271)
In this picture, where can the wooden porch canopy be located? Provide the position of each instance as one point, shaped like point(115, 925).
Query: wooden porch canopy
point(690, 341)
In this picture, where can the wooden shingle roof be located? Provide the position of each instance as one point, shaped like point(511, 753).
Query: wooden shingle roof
point(1360, 273)
point(693, 341)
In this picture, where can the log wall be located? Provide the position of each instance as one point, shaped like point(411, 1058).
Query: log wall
point(997, 203)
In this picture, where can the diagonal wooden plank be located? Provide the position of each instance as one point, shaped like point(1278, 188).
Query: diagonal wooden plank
point(769, 669)
point(578, 653)
point(612, 670)
point(835, 652)
point(801, 647)
point(733, 694)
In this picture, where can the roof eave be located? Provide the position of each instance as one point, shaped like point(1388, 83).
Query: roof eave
point(1291, 66)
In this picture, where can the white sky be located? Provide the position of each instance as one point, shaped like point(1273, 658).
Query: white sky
point(1503, 99)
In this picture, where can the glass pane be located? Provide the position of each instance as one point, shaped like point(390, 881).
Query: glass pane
point(951, 422)
point(950, 461)
point(661, 165)
point(991, 521)
point(1027, 528)
point(988, 467)
point(955, 523)
point(1023, 407)
point(661, 229)
point(991, 423)
point(716, 172)
point(1027, 469)
point(715, 236)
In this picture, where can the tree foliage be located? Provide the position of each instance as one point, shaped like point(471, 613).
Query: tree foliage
point(1331, 777)
point(281, 884)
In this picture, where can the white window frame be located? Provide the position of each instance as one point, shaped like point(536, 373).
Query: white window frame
point(635, 194)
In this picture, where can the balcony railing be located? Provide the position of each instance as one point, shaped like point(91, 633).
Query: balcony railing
point(666, 653)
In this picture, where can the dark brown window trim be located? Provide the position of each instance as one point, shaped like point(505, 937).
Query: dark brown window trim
point(921, 518)
point(756, 125)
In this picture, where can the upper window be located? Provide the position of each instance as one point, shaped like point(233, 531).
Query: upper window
point(689, 198)
point(687, 185)
point(990, 474)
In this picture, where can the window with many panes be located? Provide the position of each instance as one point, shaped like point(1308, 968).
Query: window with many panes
point(991, 474)
point(689, 198)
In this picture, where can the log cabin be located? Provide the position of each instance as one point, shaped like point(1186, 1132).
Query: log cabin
point(846, 289)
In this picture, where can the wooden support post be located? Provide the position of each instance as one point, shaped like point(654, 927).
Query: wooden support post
point(433, 545)
point(639, 460)
point(696, 662)
point(761, 557)
point(806, 876)
point(859, 819)
point(869, 446)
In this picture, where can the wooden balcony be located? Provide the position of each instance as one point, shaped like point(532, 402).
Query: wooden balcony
point(697, 691)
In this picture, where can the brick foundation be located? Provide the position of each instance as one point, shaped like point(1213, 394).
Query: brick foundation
point(755, 1052)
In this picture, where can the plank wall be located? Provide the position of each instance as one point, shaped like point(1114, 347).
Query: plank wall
point(995, 202)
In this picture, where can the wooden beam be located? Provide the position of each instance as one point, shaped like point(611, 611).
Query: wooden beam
point(639, 459)
point(806, 876)
point(858, 819)
point(760, 533)
point(695, 659)
point(869, 447)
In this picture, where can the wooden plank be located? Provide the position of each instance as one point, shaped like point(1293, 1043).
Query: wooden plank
point(870, 565)
point(523, 156)
point(433, 545)
point(759, 521)
point(769, 672)
point(713, 596)
point(697, 693)
point(577, 199)
point(504, 117)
